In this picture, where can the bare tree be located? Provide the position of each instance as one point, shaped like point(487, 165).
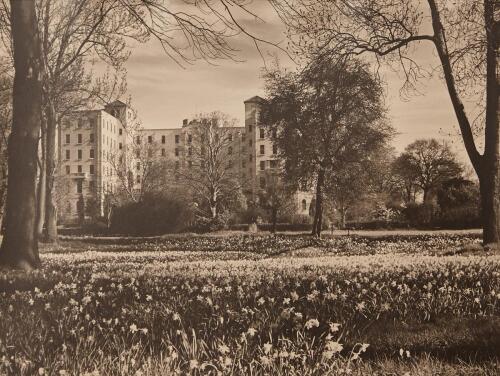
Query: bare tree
point(19, 246)
point(208, 168)
point(466, 37)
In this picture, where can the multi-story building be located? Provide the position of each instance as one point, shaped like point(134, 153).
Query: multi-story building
point(90, 141)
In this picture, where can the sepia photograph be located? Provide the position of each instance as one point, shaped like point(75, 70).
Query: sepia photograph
point(249, 187)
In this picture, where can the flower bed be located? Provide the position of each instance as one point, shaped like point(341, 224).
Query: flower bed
point(200, 312)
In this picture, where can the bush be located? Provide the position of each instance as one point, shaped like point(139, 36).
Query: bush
point(154, 215)
point(459, 218)
point(421, 215)
point(203, 224)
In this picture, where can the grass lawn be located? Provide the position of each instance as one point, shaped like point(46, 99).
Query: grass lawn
point(418, 304)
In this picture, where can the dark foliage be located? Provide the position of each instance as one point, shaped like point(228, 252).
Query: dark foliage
point(153, 216)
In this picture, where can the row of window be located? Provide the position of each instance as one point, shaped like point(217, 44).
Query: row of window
point(107, 186)
point(79, 138)
point(80, 154)
point(190, 138)
point(138, 139)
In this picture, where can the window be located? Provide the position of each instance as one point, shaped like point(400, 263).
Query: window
point(243, 137)
point(275, 149)
point(177, 138)
point(120, 131)
point(262, 165)
point(272, 164)
point(304, 205)
point(138, 179)
point(190, 164)
point(261, 133)
point(162, 152)
point(138, 166)
point(79, 153)
point(79, 169)
point(249, 127)
point(67, 154)
point(138, 140)
point(91, 154)
point(78, 186)
point(66, 123)
point(230, 137)
point(243, 164)
point(176, 165)
point(150, 139)
point(190, 150)
point(80, 123)
point(91, 169)
point(163, 139)
point(120, 146)
point(190, 138)
point(80, 138)
point(262, 182)
point(250, 157)
point(176, 152)
point(68, 169)
point(202, 163)
point(91, 138)
point(262, 150)
point(250, 142)
point(230, 150)
point(137, 153)
point(91, 184)
point(68, 138)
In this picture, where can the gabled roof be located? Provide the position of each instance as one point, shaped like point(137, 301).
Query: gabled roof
point(116, 103)
point(255, 99)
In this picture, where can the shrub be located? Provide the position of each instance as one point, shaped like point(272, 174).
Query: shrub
point(154, 215)
point(421, 215)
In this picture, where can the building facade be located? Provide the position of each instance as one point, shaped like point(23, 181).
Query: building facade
point(91, 143)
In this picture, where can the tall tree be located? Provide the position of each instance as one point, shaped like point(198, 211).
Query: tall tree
point(19, 246)
point(465, 36)
point(329, 115)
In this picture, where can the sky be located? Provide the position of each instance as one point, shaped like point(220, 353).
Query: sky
point(165, 93)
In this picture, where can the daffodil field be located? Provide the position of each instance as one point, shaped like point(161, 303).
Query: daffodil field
point(254, 305)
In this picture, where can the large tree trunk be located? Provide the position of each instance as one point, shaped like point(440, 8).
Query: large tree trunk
point(318, 212)
point(40, 194)
point(20, 247)
point(490, 206)
point(486, 165)
point(50, 232)
point(489, 174)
